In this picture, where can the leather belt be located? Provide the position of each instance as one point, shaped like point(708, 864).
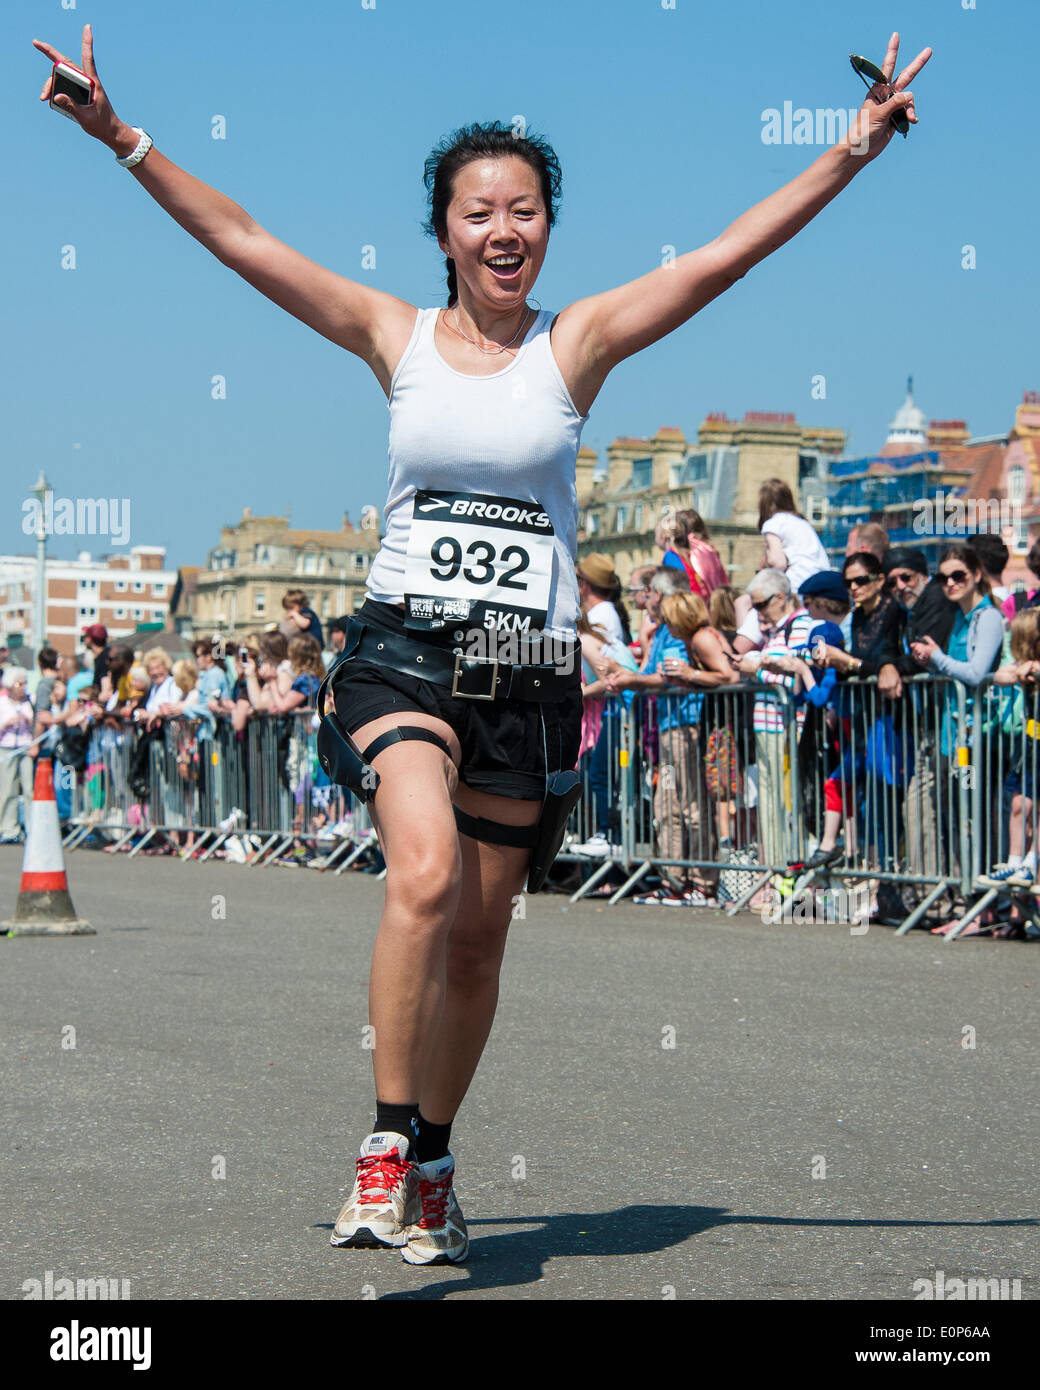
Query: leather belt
point(467, 677)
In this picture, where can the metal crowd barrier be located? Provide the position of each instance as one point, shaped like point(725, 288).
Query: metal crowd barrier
point(705, 763)
point(1005, 761)
point(606, 798)
point(206, 789)
point(895, 774)
point(726, 791)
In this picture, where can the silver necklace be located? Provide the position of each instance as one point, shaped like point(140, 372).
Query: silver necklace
point(491, 352)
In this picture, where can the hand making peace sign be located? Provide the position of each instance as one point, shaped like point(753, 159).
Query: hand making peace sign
point(873, 127)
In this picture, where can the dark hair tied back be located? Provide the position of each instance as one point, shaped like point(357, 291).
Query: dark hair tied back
point(491, 141)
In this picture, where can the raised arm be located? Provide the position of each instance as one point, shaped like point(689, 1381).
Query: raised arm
point(347, 313)
point(625, 320)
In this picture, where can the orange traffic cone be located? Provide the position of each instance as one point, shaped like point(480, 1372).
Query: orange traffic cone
point(44, 907)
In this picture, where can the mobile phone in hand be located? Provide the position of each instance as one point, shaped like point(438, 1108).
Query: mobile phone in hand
point(70, 82)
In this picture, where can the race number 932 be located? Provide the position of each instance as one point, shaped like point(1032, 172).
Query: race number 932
point(471, 555)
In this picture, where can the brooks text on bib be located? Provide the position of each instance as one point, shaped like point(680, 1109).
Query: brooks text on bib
point(479, 559)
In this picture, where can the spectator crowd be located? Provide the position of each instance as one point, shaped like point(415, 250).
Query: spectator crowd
point(715, 676)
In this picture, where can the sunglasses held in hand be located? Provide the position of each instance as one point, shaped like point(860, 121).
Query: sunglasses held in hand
point(875, 78)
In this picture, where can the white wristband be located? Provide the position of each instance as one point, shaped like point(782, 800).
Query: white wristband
point(144, 144)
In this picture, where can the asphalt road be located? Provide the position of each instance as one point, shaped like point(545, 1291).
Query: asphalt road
point(818, 1130)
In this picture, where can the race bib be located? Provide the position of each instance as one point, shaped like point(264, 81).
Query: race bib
point(477, 559)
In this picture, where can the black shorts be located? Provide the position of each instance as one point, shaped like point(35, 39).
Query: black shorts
point(505, 743)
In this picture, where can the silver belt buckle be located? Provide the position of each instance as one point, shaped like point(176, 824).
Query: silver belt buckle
point(484, 661)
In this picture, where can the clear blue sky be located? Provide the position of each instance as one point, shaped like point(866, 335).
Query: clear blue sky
point(656, 116)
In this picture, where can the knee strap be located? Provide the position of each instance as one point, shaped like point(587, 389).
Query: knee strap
point(495, 832)
point(402, 732)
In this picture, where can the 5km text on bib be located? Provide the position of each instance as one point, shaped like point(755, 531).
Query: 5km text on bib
point(479, 559)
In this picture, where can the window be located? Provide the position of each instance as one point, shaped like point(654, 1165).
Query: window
point(138, 614)
point(157, 615)
point(324, 605)
point(310, 563)
point(642, 473)
point(620, 518)
point(811, 466)
point(359, 561)
point(260, 602)
point(88, 612)
point(592, 524)
point(138, 586)
point(120, 586)
point(1016, 495)
point(120, 612)
point(159, 589)
point(638, 521)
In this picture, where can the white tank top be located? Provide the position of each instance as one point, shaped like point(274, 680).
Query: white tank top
point(479, 450)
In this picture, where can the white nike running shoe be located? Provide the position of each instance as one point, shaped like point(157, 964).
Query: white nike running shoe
point(438, 1235)
point(385, 1198)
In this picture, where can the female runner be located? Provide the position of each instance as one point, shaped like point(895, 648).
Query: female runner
point(487, 402)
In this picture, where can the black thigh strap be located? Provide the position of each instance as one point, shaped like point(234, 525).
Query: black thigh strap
point(494, 832)
point(398, 735)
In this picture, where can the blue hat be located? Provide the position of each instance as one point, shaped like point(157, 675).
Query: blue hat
point(830, 633)
point(825, 584)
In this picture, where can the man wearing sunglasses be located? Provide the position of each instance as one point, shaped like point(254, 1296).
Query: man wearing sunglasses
point(929, 613)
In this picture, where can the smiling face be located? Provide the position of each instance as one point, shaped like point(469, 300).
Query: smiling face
point(496, 210)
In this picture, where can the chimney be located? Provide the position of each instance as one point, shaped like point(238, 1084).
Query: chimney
point(584, 469)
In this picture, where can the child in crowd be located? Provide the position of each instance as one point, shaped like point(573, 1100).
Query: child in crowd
point(1021, 867)
point(308, 671)
point(300, 618)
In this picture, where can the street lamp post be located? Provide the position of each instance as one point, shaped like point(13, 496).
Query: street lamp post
point(40, 492)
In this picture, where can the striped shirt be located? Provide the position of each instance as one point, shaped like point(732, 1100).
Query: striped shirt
point(790, 638)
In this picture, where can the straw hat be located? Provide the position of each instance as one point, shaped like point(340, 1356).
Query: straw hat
point(598, 569)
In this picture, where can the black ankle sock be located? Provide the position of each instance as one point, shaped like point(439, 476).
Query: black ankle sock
point(398, 1119)
point(431, 1141)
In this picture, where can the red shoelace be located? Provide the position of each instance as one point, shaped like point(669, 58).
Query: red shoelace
point(434, 1197)
point(378, 1173)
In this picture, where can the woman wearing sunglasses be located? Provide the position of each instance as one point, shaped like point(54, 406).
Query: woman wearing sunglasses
point(974, 644)
point(973, 651)
point(871, 747)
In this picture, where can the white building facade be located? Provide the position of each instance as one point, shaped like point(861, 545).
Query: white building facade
point(118, 591)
